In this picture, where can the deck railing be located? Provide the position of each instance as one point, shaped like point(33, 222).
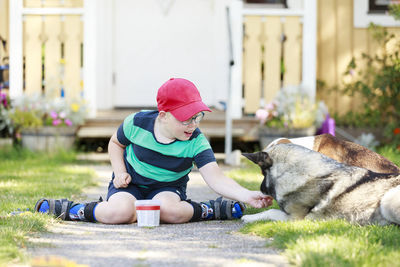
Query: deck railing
point(271, 57)
point(53, 48)
point(278, 50)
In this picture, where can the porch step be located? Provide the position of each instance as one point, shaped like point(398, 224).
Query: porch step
point(213, 126)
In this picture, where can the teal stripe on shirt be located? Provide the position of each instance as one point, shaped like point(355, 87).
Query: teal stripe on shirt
point(153, 172)
point(146, 139)
point(179, 149)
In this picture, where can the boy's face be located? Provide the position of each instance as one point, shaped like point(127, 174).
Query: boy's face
point(183, 130)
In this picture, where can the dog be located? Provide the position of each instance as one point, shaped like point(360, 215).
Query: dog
point(343, 151)
point(323, 177)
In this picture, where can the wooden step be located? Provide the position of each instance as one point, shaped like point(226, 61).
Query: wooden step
point(213, 125)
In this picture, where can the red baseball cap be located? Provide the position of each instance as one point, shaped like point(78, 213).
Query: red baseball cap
point(181, 98)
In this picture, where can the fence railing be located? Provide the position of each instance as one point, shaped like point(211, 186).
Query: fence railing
point(53, 48)
point(272, 57)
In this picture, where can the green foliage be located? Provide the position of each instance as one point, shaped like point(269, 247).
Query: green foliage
point(6, 125)
point(391, 153)
point(26, 118)
point(394, 10)
point(292, 109)
point(25, 177)
point(377, 83)
point(35, 111)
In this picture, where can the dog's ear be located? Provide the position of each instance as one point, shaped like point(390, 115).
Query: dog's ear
point(261, 158)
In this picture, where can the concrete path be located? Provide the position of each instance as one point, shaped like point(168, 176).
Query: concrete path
point(211, 243)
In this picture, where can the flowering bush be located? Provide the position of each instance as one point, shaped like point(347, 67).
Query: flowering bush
point(35, 111)
point(293, 109)
point(392, 132)
point(6, 126)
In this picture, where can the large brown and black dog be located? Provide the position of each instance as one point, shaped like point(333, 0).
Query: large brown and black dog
point(323, 177)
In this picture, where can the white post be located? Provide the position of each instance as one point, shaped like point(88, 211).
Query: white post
point(233, 103)
point(89, 55)
point(15, 48)
point(236, 12)
point(309, 78)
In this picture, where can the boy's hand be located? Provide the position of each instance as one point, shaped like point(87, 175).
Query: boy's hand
point(121, 180)
point(259, 200)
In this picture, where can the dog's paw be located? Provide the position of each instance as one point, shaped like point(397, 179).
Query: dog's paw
point(248, 218)
point(268, 215)
point(253, 218)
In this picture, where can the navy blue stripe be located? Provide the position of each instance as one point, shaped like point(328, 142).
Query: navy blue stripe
point(171, 163)
point(147, 121)
point(204, 157)
point(121, 136)
point(141, 180)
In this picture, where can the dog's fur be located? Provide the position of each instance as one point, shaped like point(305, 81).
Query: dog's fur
point(343, 151)
point(363, 188)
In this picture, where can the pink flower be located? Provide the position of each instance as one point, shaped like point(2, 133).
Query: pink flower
point(3, 99)
point(63, 115)
point(270, 106)
point(56, 122)
point(53, 115)
point(262, 115)
point(68, 122)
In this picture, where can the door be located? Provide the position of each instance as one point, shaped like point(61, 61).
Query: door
point(155, 40)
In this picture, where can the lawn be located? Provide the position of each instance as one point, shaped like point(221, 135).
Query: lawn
point(26, 177)
point(325, 243)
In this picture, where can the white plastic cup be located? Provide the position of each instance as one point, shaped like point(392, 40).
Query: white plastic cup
point(148, 212)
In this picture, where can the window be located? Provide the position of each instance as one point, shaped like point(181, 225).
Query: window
point(378, 6)
point(367, 11)
point(279, 3)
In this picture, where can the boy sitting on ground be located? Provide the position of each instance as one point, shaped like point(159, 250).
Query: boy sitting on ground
point(151, 154)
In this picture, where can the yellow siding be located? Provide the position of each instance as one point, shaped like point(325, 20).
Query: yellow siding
point(3, 28)
point(338, 42)
point(344, 48)
point(326, 65)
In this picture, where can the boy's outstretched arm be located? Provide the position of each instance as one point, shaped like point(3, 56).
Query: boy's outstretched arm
point(229, 188)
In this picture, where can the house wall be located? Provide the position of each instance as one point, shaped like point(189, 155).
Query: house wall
point(338, 41)
point(3, 28)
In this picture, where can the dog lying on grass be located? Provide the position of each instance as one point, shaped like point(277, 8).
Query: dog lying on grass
point(323, 177)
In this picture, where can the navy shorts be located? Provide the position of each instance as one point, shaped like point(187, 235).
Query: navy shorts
point(146, 193)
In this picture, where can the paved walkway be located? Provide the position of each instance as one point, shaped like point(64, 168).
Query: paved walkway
point(211, 243)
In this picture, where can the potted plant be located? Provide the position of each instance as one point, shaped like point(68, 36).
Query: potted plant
point(47, 124)
point(291, 114)
point(6, 125)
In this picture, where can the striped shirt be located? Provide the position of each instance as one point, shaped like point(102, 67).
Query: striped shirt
point(153, 164)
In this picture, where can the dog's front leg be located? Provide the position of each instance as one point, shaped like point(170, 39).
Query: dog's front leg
point(268, 215)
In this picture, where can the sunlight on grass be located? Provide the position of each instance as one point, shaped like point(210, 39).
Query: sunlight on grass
point(8, 184)
point(324, 243)
point(25, 177)
point(331, 243)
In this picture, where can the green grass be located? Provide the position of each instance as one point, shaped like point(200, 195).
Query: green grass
point(26, 177)
point(324, 243)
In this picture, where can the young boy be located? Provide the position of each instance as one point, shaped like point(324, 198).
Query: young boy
point(151, 155)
